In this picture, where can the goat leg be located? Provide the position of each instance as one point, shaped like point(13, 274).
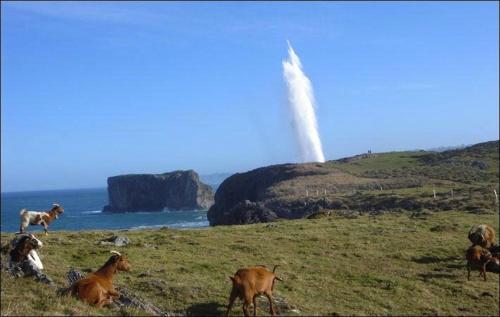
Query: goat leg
point(254, 305)
point(114, 294)
point(483, 270)
point(232, 297)
point(271, 308)
point(245, 307)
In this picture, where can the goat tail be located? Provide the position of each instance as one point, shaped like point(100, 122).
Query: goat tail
point(274, 268)
point(22, 211)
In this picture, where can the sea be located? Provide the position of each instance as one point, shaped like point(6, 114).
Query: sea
point(83, 211)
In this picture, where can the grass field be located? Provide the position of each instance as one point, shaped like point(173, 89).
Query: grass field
point(389, 264)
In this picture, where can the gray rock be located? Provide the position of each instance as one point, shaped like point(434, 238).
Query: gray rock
point(118, 241)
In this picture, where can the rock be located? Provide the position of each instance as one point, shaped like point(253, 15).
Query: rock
point(249, 212)
point(118, 241)
point(178, 190)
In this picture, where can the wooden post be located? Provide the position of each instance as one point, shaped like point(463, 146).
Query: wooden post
point(496, 196)
point(434, 191)
point(325, 192)
point(317, 193)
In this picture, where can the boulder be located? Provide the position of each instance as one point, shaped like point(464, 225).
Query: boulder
point(118, 241)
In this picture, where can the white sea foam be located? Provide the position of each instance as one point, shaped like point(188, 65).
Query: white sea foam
point(92, 212)
point(188, 224)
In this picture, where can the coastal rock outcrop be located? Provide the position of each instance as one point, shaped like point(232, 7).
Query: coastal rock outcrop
point(253, 197)
point(178, 190)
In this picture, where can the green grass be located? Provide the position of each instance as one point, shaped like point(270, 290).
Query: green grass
point(390, 264)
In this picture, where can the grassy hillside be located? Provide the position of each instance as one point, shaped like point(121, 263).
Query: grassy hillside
point(401, 181)
point(390, 264)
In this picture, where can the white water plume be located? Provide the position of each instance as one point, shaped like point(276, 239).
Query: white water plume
point(301, 102)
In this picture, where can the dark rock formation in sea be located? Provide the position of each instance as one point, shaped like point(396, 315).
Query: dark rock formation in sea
point(178, 190)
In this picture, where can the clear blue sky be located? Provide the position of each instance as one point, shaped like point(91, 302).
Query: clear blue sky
point(91, 90)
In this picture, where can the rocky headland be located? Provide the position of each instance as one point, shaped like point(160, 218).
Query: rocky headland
point(415, 181)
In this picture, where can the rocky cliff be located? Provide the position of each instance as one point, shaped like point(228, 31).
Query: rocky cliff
point(253, 196)
point(178, 190)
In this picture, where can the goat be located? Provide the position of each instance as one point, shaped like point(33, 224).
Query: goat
point(39, 217)
point(97, 288)
point(24, 260)
point(23, 248)
point(478, 258)
point(482, 235)
point(248, 283)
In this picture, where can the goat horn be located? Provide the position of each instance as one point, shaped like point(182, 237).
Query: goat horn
point(115, 252)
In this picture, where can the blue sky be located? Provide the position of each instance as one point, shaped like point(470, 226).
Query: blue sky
point(91, 90)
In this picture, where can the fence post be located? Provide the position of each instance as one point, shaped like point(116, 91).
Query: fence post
point(434, 191)
point(496, 196)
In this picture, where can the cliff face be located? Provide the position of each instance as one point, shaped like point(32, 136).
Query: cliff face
point(179, 190)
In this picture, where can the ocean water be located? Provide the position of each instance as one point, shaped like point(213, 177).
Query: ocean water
point(82, 211)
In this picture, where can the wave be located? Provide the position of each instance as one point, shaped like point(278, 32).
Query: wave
point(189, 224)
point(92, 212)
point(165, 211)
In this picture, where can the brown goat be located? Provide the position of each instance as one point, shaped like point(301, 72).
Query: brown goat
point(478, 258)
point(97, 288)
point(248, 283)
point(482, 235)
